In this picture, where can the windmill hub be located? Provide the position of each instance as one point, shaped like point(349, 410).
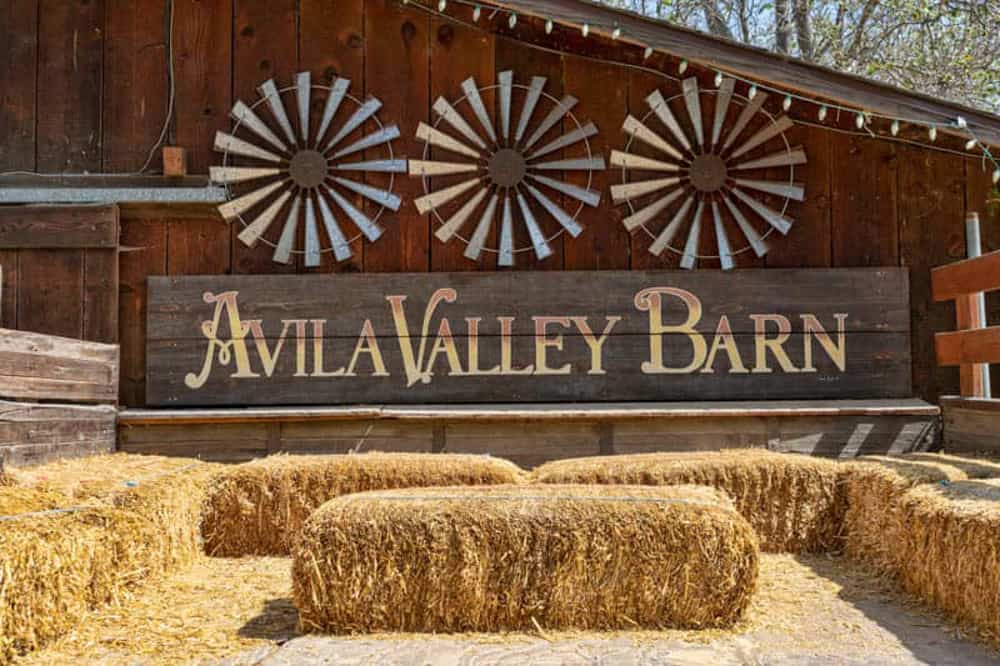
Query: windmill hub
point(308, 169)
point(708, 173)
point(507, 167)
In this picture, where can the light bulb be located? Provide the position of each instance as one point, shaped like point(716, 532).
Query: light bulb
point(932, 133)
point(442, 4)
point(718, 79)
point(753, 92)
point(960, 122)
point(787, 104)
point(859, 120)
point(970, 144)
point(616, 33)
point(476, 13)
point(548, 27)
point(894, 128)
point(682, 67)
point(585, 30)
point(648, 52)
point(512, 21)
point(822, 113)
point(996, 176)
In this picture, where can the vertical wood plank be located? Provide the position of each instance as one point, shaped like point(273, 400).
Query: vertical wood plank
point(931, 234)
point(451, 63)
point(864, 197)
point(203, 69)
point(603, 93)
point(526, 63)
point(397, 71)
point(18, 60)
point(332, 43)
point(8, 289)
point(70, 67)
point(198, 247)
point(135, 68)
point(808, 244)
point(50, 292)
point(149, 257)
point(100, 295)
point(264, 34)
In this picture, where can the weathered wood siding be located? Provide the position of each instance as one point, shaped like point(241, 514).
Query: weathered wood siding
point(84, 86)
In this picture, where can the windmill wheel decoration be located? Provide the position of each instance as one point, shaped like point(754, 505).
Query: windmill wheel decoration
point(721, 172)
point(279, 172)
point(513, 170)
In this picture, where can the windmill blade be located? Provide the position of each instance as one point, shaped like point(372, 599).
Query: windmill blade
point(455, 119)
point(634, 127)
point(670, 231)
point(227, 143)
point(748, 112)
point(506, 86)
point(455, 222)
point(764, 134)
point(360, 115)
point(644, 215)
point(476, 102)
point(506, 235)
point(269, 91)
point(640, 163)
point(530, 102)
point(429, 202)
point(721, 240)
point(230, 175)
point(779, 159)
point(377, 166)
point(579, 134)
point(542, 249)
point(283, 251)
point(554, 116)
point(690, 257)
point(780, 222)
point(693, 103)
point(436, 137)
point(722, 101)
point(245, 116)
point(384, 135)
point(253, 231)
point(562, 217)
point(753, 238)
point(236, 207)
point(575, 164)
point(427, 168)
point(659, 106)
point(337, 93)
point(795, 191)
point(381, 197)
point(312, 235)
point(627, 191)
point(341, 250)
point(475, 246)
point(303, 89)
point(589, 197)
point(368, 227)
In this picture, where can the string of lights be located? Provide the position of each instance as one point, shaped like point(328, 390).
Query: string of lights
point(864, 120)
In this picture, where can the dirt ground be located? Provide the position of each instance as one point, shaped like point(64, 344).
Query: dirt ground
point(238, 612)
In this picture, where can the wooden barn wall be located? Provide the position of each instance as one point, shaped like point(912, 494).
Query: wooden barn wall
point(83, 87)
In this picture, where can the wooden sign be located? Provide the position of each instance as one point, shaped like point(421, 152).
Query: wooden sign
point(536, 337)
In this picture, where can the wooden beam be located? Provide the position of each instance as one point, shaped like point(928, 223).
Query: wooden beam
point(761, 65)
point(45, 367)
point(966, 347)
point(969, 276)
point(58, 227)
point(968, 316)
point(32, 433)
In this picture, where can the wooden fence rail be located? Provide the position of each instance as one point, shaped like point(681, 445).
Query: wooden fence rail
point(971, 346)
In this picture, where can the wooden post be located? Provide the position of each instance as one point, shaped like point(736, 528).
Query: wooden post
point(973, 249)
point(967, 309)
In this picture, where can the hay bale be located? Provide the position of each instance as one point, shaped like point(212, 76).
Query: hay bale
point(873, 525)
point(795, 503)
point(951, 550)
point(524, 557)
point(257, 508)
point(61, 556)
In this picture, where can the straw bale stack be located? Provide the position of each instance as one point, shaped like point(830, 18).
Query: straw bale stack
point(258, 507)
point(951, 548)
point(873, 524)
point(61, 555)
point(795, 503)
point(524, 557)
